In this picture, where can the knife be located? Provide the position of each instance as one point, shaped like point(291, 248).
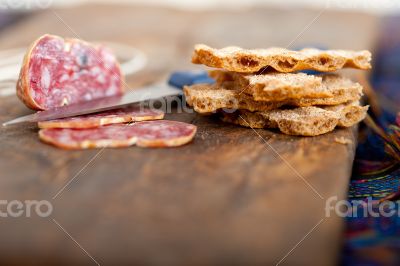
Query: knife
point(172, 87)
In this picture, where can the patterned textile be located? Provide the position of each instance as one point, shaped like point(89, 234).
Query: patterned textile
point(376, 172)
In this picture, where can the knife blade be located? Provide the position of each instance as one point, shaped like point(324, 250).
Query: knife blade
point(171, 88)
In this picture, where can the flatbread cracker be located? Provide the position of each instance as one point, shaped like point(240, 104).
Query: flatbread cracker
point(249, 61)
point(207, 98)
point(274, 86)
point(302, 121)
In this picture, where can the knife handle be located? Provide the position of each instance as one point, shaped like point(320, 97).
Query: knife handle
point(180, 78)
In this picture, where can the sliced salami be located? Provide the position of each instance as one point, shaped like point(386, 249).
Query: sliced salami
point(161, 133)
point(57, 72)
point(123, 115)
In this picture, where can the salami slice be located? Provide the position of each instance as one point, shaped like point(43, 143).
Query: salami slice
point(57, 72)
point(161, 133)
point(129, 114)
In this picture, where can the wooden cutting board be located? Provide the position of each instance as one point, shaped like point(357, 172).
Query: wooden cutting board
point(233, 196)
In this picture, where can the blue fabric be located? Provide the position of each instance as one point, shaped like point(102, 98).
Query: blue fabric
point(180, 79)
point(376, 173)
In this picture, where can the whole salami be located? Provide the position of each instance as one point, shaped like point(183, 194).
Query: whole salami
point(57, 72)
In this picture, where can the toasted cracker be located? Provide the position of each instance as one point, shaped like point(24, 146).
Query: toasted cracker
point(303, 121)
point(350, 113)
point(274, 86)
point(283, 60)
point(342, 90)
point(206, 98)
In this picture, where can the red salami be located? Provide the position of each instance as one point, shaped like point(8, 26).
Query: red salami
point(161, 133)
point(129, 114)
point(57, 72)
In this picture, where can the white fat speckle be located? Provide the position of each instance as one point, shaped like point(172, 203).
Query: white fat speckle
point(75, 76)
point(64, 101)
point(96, 70)
point(45, 79)
point(56, 91)
point(87, 97)
point(111, 90)
point(67, 47)
point(57, 44)
point(109, 58)
point(64, 77)
point(100, 78)
point(96, 93)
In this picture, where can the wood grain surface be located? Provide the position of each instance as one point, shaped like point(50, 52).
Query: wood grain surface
point(233, 196)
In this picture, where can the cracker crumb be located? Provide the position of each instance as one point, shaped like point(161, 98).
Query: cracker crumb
point(343, 140)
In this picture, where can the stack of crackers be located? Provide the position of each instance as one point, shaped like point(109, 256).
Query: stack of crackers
point(263, 88)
